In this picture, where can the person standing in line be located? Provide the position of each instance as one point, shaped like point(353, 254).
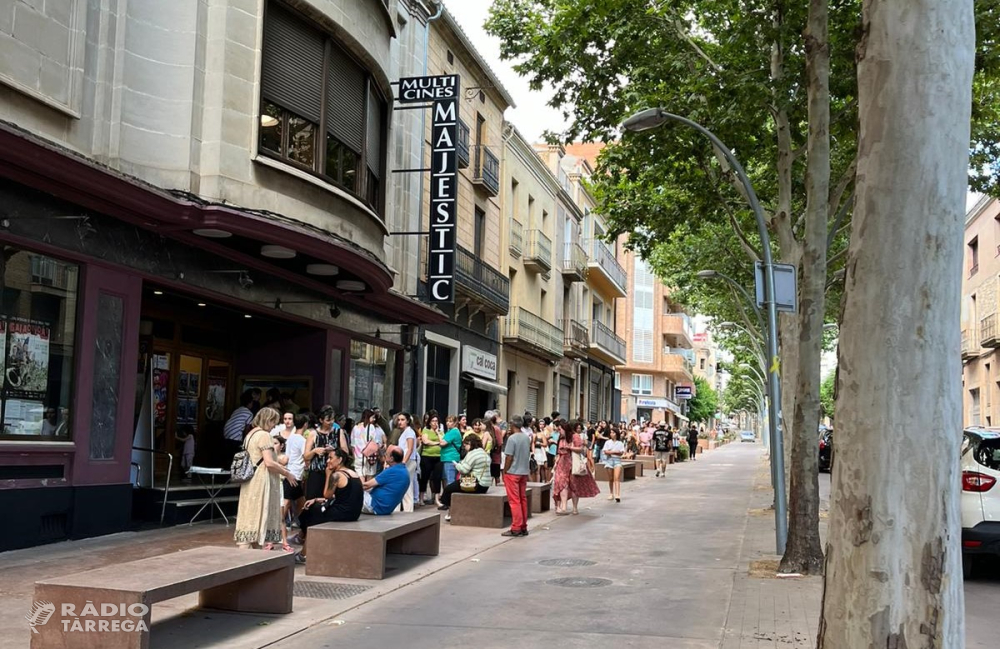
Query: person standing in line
point(367, 440)
point(566, 486)
point(295, 448)
point(492, 418)
point(408, 442)
point(517, 454)
point(661, 449)
point(451, 449)
point(258, 517)
point(692, 437)
point(614, 448)
point(430, 458)
point(236, 427)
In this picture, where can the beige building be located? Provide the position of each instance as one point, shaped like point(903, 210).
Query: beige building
point(980, 337)
point(532, 332)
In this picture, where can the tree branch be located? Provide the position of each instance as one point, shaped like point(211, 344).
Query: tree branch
point(836, 228)
point(837, 257)
point(837, 192)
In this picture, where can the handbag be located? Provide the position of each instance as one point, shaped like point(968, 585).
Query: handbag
point(371, 450)
point(241, 469)
point(468, 483)
point(579, 464)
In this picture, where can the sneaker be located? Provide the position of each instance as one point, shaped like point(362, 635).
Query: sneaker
point(299, 559)
point(657, 474)
point(524, 532)
point(448, 517)
point(442, 508)
point(511, 533)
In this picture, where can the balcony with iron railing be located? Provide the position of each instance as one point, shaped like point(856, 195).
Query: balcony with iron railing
point(968, 351)
point(605, 344)
point(462, 146)
point(537, 251)
point(611, 277)
point(574, 262)
point(487, 170)
point(516, 245)
point(525, 330)
point(576, 339)
point(677, 330)
point(988, 332)
point(481, 282)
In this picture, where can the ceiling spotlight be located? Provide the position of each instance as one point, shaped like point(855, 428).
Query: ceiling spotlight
point(334, 311)
point(245, 281)
point(157, 292)
point(213, 233)
point(277, 252)
point(247, 316)
point(351, 285)
point(202, 304)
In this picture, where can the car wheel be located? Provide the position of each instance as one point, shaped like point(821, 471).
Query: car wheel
point(968, 566)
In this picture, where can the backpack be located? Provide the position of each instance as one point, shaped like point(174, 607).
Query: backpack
point(241, 469)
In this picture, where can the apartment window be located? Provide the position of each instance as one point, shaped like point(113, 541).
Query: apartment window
point(974, 256)
point(320, 110)
point(618, 381)
point(642, 384)
point(974, 413)
point(702, 362)
point(642, 313)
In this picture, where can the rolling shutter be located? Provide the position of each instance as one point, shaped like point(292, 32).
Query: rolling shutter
point(346, 85)
point(533, 390)
point(292, 68)
point(376, 119)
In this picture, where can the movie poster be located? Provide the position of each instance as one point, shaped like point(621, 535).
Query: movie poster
point(26, 371)
point(161, 379)
point(215, 410)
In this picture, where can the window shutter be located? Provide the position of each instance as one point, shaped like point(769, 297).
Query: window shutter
point(345, 99)
point(532, 406)
point(376, 117)
point(292, 68)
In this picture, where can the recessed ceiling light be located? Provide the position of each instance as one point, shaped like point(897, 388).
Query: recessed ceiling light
point(277, 252)
point(201, 304)
point(157, 292)
point(350, 285)
point(212, 233)
point(247, 315)
point(325, 270)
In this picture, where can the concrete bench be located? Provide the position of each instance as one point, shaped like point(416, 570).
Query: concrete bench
point(247, 581)
point(639, 468)
point(648, 462)
point(491, 509)
point(541, 496)
point(602, 474)
point(358, 549)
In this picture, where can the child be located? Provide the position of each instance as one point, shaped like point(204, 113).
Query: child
point(278, 443)
point(185, 435)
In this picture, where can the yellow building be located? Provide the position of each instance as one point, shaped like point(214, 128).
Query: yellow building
point(532, 333)
point(980, 297)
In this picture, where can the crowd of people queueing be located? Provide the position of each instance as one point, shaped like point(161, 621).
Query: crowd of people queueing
point(312, 468)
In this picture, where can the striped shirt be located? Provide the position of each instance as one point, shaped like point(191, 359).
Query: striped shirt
point(237, 424)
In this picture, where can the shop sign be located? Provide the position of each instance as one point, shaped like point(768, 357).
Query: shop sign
point(476, 361)
point(683, 392)
point(659, 403)
point(442, 90)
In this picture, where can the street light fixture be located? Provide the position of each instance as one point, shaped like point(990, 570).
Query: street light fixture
point(653, 118)
point(714, 274)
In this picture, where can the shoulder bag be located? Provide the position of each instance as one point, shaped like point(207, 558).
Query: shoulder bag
point(242, 469)
point(579, 464)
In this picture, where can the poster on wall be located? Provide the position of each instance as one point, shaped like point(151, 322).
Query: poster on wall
point(215, 408)
point(26, 371)
point(22, 417)
point(161, 379)
point(3, 345)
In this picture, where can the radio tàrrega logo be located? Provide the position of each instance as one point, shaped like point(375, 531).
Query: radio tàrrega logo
point(39, 614)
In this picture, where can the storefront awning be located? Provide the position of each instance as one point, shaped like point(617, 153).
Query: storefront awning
point(483, 384)
point(681, 417)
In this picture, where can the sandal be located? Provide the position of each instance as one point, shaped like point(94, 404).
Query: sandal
point(287, 548)
point(267, 547)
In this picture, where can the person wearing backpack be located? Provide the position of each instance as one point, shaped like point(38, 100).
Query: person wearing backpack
point(258, 518)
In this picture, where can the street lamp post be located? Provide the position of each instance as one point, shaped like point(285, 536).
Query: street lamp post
point(714, 274)
point(653, 118)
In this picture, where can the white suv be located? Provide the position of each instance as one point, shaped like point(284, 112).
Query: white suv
point(980, 495)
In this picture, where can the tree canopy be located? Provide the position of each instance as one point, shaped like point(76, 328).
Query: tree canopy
point(703, 405)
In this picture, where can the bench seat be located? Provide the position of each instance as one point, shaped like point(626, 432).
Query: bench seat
point(230, 579)
point(358, 550)
point(541, 498)
point(491, 509)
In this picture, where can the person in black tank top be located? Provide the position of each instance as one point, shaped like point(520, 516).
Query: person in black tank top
point(342, 497)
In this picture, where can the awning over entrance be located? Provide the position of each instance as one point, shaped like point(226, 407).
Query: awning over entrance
point(483, 384)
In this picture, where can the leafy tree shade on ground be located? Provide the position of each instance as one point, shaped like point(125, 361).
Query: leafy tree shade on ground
point(754, 72)
point(702, 406)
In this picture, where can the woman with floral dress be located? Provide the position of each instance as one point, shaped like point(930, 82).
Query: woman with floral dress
point(258, 519)
point(567, 486)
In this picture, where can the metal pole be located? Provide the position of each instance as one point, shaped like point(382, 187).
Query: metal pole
point(773, 386)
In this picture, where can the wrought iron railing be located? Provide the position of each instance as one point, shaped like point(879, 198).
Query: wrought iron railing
point(538, 249)
point(487, 170)
point(988, 330)
point(576, 338)
point(462, 145)
point(516, 238)
point(602, 336)
point(574, 260)
point(481, 281)
point(523, 325)
point(602, 257)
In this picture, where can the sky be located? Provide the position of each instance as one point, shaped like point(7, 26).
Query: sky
point(532, 116)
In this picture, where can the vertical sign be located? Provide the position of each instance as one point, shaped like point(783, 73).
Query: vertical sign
point(443, 92)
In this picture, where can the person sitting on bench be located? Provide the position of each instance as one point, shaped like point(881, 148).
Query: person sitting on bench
point(384, 492)
point(476, 464)
point(342, 497)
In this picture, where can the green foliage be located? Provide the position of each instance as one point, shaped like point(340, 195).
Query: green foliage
point(702, 406)
point(826, 394)
point(683, 452)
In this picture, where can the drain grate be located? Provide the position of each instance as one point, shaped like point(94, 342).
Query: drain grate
point(567, 563)
point(327, 590)
point(579, 582)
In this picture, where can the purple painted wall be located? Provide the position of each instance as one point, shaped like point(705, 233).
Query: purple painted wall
point(304, 354)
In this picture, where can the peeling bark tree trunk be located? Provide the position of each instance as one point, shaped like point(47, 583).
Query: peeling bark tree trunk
point(893, 573)
point(803, 553)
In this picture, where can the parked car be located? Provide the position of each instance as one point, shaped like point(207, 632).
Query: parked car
point(980, 495)
point(747, 436)
point(826, 449)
